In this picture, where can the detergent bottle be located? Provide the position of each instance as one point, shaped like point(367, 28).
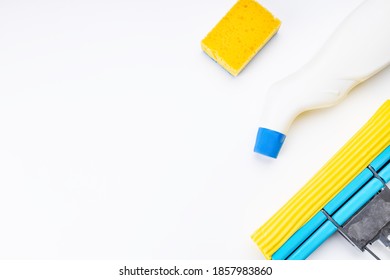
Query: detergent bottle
point(357, 50)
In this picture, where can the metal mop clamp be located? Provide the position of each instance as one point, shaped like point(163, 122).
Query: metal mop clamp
point(370, 224)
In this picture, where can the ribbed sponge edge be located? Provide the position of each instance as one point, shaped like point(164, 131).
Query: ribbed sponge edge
point(341, 169)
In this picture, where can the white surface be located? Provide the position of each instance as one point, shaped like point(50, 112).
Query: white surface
point(121, 139)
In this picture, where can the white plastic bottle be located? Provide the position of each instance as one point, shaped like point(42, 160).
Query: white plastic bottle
point(359, 48)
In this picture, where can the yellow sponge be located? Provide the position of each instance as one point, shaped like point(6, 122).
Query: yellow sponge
point(240, 34)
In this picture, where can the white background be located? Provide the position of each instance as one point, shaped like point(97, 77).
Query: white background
point(120, 138)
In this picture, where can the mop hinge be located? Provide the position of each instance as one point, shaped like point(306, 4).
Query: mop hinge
point(368, 225)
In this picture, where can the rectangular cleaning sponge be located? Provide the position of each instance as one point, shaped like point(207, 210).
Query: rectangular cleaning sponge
point(240, 34)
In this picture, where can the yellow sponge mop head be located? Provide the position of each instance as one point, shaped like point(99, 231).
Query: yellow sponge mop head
point(240, 34)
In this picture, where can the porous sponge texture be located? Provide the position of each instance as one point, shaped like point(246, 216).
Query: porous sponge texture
point(240, 34)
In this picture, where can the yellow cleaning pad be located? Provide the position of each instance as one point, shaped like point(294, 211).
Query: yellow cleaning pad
point(240, 34)
point(341, 169)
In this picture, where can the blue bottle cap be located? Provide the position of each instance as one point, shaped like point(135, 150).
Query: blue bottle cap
point(269, 142)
